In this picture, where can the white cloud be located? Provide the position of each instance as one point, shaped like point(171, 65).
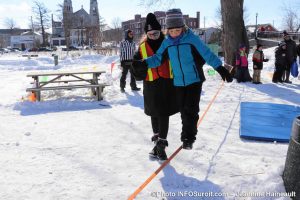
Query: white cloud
point(19, 12)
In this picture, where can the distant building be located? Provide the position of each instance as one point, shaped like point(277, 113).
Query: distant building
point(84, 27)
point(26, 40)
point(6, 34)
point(263, 30)
point(209, 35)
point(137, 24)
point(58, 35)
point(261, 27)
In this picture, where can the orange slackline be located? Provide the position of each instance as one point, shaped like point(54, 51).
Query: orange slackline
point(137, 191)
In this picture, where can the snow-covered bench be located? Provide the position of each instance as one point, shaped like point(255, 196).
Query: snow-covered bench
point(59, 79)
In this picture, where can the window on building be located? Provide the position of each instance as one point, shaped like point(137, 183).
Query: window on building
point(56, 42)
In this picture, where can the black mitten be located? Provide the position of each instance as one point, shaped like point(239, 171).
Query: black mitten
point(139, 69)
point(224, 74)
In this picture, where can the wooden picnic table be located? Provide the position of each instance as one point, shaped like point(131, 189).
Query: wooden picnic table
point(59, 79)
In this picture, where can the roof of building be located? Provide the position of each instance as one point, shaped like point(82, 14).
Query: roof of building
point(30, 33)
point(260, 25)
point(14, 31)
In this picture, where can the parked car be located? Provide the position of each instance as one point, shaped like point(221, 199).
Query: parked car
point(4, 50)
point(33, 49)
point(44, 49)
point(18, 49)
point(72, 48)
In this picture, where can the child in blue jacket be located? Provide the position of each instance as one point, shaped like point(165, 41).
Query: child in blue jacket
point(187, 55)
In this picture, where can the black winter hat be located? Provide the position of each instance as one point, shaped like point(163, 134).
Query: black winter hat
point(174, 18)
point(151, 23)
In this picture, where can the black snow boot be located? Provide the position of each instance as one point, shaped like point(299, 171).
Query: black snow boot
point(153, 152)
point(188, 145)
point(161, 145)
point(159, 150)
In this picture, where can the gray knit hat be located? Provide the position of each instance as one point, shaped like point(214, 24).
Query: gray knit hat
point(174, 18)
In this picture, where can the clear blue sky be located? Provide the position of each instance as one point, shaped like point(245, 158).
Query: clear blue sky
point(269, 11)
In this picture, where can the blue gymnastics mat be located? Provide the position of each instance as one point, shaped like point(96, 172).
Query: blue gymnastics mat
point(267, 121)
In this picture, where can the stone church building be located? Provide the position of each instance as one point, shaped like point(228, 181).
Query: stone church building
point(77, 28)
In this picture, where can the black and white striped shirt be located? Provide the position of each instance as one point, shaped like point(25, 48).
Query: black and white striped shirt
point(127, 50)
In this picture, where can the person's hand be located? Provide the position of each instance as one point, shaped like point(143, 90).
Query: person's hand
point(139, 69)
point(139, 64)
point(254, 66)
point(266, 60)
point(224, 74)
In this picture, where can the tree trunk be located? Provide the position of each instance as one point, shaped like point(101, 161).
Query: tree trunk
point(234, 31)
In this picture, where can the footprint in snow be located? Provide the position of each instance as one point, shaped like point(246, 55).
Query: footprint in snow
point(27, 134)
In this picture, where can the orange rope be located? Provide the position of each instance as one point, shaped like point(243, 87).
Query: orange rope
point(210, 103)
point(137, 191)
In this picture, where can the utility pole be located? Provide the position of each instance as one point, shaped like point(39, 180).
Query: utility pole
point(256, 26)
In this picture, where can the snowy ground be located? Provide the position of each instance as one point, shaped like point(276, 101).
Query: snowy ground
point(71, 147)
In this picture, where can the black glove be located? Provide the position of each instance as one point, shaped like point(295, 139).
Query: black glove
point(139, 69)
point(224, 74)
point(266, 60)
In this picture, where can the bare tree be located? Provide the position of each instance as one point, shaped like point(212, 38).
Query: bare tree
point(116, 22)
point(218, 16)
point(234, 31)
point(41, 18)
point(102, 26)
point(117, 26)
point(10, 23)
point(59, 11)
point(291, 19)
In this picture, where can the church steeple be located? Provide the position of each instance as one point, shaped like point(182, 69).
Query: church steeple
point(94, 13)
point(68, 7)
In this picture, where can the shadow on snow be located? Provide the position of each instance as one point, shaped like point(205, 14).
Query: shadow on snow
point(179, 186)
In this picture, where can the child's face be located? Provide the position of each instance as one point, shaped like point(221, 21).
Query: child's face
point(175, 32)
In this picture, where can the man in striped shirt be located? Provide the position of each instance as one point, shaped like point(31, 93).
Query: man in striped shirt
point(127, 50)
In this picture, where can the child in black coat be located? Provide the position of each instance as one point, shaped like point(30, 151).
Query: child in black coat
point(280, 63)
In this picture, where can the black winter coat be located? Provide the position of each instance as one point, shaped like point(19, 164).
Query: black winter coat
point(298, 50)
point(160, 94)
point(280, 57)
point(291, 50)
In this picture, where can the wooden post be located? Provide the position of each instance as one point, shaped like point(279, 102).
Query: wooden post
point(37, 85)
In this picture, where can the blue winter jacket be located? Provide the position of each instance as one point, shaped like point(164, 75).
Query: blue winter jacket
point(187, 58)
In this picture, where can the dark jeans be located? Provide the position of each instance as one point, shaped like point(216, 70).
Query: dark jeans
point(188, 99)
point(160, 125)
point(126, 66)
